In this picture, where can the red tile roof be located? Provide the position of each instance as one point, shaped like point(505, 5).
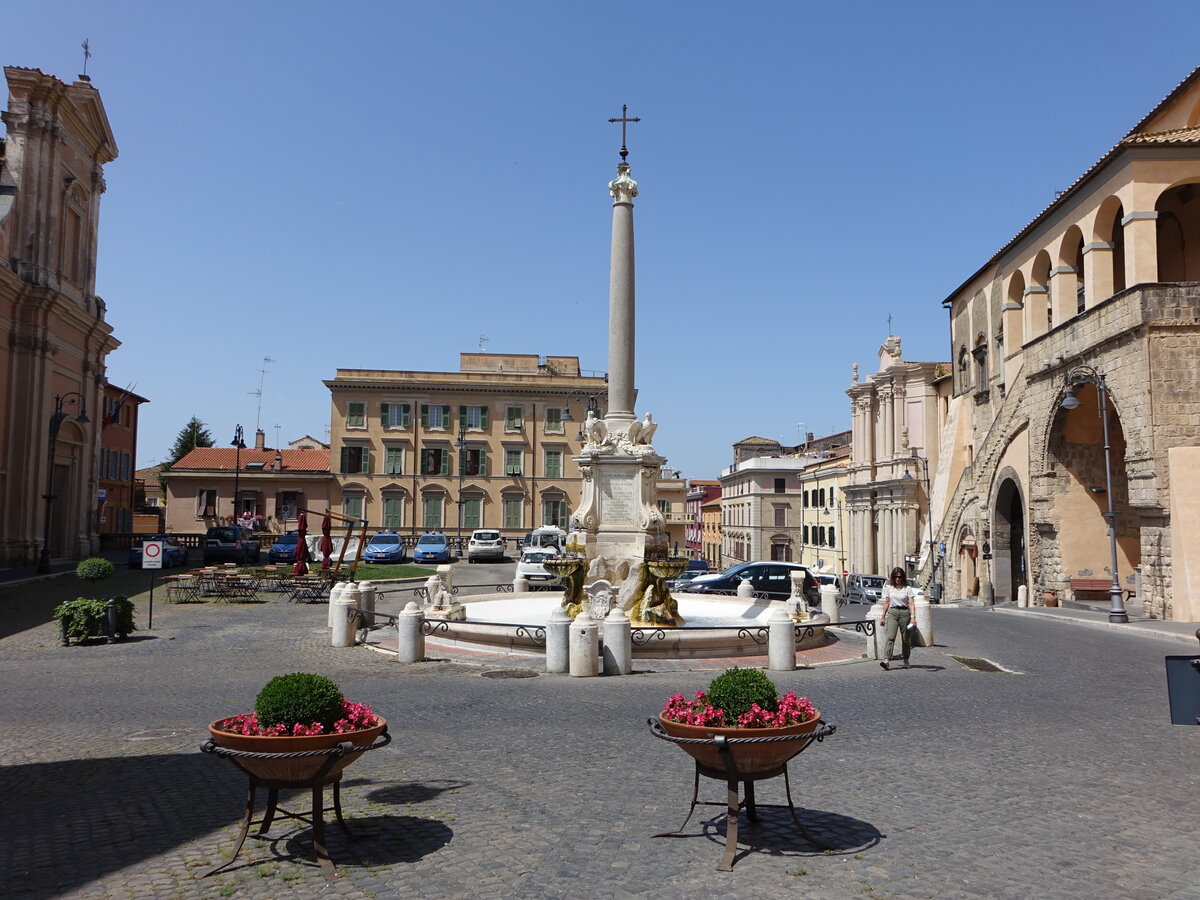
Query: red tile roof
point(226, 458)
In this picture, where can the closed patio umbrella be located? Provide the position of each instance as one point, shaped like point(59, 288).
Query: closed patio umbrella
point(326, 542)
point(301, 567)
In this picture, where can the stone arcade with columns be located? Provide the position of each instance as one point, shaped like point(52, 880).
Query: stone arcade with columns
point(1107, 276)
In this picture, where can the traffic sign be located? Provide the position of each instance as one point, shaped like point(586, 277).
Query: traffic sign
point(152, 552)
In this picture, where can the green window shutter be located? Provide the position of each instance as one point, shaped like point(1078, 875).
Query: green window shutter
point(483, 417)
point(404, 417)
point(424, 415)
point(483, 461)
point(446, 416)
point(383, 414)
point(462, 417)
point(366, 460)
point(445, 462)
point(462, 462)
point(345, 459)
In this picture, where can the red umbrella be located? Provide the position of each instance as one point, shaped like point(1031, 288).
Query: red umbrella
point(326, 541)
point(301, 567)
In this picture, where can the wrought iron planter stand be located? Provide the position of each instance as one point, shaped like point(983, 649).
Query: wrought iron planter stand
point(316, 784)
point(731, 776)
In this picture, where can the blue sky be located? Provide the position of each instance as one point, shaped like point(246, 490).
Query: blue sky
point(377, 185)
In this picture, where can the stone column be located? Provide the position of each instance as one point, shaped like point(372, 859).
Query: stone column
point(1141, 247)
point(1062, 293)
point(886, 414)
point(1097, 272)
point(621, 299)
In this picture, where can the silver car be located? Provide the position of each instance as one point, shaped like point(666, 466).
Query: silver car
point(864, 588)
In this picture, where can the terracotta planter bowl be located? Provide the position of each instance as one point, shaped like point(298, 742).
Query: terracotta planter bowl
point(751, 759)
point(300, 770)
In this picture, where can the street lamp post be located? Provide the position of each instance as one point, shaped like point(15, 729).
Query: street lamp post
point(933, 560)
point(592, 406)
point(56, 420)
point(240, 443)
point(461, 444)
point(1087, 375)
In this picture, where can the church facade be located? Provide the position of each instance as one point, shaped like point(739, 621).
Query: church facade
point(54, 339)
point(1095, 303)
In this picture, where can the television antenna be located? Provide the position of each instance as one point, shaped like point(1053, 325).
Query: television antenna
point(262, 377)
point(277, 427)
point(482, 340)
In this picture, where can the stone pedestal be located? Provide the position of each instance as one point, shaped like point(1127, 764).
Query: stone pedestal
point(410, 640)
point(781, 640)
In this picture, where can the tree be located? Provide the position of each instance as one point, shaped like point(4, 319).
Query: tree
point(194, 434)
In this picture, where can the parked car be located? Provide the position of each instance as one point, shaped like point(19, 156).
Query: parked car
point(432, 546)
point(864, 588)
point(384, 547)
point(485, 543)
point(284, 548)
point(681, 583)
point(174, 553)
point(231, 543)
point(530, 566)
point(770, 579)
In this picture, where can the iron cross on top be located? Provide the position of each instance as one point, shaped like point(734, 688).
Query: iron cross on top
point(624, 120)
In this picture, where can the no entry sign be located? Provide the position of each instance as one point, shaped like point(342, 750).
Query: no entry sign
point(152, 552)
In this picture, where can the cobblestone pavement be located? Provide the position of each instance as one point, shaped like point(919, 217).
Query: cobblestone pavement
point(1058, 777)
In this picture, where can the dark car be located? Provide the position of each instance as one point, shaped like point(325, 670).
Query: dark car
point(174, 553)
point(772, 580)
point(231, 543)
point(385, 547)
point(284, 548)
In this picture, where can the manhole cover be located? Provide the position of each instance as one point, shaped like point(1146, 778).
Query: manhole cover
point(510, 673)
point(979, 665)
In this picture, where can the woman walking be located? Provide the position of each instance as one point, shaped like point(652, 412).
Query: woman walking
point(898, 600)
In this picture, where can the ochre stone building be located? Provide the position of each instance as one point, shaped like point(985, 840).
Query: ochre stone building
point(1106, 277)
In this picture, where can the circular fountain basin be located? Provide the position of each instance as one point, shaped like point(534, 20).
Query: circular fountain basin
point(742, 624)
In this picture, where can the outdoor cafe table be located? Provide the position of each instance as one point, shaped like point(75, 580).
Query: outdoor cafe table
point(730, 774)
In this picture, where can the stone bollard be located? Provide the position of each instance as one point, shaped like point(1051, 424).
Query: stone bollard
point(744, 589)
point(584, 645)
point(334, 593)
point(351, 597)
point(558, 657)
point(923, 618)
point(618, 643)
point(875, 647)
point(366, 600)
point(520, 585)
point(410, 645)
point(781, 641)
point(1023, 596)
point(344, 620)
point(829, 603)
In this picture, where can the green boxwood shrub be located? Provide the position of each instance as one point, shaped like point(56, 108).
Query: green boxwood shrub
point(300, 698)
point(736, 690)
point(87, 617)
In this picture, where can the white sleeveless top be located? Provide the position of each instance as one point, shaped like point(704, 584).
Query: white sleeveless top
point(898, 597)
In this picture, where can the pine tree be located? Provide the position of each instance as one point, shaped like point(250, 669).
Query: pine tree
point(194, 434)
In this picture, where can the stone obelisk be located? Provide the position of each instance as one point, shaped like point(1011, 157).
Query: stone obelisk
point(618, 512)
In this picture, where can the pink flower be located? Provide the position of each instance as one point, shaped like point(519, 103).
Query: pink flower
point(356, 717)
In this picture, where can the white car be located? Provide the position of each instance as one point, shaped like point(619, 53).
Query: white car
point(531, 568)
point(485, 543)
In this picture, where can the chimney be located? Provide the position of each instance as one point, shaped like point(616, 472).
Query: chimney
point(277, 466)
point(260, 440)
point(808, 438)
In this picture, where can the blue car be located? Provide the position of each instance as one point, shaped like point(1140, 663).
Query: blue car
point(385, 547)
point(432, 546)
point(284, 548)
point(174, 554)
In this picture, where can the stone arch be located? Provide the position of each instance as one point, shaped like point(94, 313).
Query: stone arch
point(966, 552)
point(1177, 230)
point(1110, 277)
point(1039, 316)
point(1010, 560)
point(1014, 312)
point(1074, 454)
point(1073, 296)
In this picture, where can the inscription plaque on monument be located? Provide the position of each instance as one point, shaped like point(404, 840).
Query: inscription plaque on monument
point(618, 502)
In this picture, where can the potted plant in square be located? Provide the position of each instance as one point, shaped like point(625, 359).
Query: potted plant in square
point(741, 703)
point(296, 713)
point(86, 617)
